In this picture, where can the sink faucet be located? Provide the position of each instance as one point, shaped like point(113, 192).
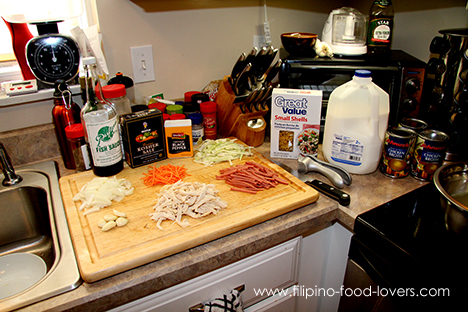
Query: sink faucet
point(11, 178)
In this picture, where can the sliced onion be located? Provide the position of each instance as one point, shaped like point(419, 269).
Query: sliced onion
point(100, 192)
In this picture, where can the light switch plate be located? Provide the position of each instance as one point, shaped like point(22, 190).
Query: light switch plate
point(142, 63)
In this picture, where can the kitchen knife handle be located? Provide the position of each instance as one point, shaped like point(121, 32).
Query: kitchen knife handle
point(343, 198)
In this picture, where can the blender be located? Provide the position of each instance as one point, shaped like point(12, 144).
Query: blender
point(345, 31)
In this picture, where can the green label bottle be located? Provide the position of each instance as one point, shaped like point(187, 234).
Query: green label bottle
point(380, 30)
point(100, 121)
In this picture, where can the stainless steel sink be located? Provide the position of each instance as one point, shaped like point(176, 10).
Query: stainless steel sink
point(34, 221)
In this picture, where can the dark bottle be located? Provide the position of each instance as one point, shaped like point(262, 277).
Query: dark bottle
point(64, 113)
point(127, 82)
point(380, 30)
point(100, 121)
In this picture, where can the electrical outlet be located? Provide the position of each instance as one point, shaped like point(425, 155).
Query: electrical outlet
point(259, 41)
point(142, 63)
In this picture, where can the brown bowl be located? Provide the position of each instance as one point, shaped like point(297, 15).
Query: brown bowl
point(299, 43)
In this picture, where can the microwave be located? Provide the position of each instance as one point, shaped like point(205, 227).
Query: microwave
point(399, 74)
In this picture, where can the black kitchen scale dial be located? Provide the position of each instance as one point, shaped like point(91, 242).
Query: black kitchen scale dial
point(52, 57)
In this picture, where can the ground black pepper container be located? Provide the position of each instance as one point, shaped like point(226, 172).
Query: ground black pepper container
point(64, 113)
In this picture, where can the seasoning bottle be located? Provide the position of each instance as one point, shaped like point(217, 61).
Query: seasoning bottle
point(380, 30)
point(178, 138)
point(80, 149)
point(174, 109)
point(100, 122)
point(64, 113)
point(158, 105)
point(208, 110)
point(194, 105)
point(116, 94)
point(127, 82)
point(176, 116)
point(197, 126)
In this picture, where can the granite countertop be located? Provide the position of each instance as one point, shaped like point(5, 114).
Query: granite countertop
point(366, 191)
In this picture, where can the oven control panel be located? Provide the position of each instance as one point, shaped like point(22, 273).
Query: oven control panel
point(411, 92)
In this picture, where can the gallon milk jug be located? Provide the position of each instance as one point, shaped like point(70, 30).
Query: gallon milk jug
point(355, 124)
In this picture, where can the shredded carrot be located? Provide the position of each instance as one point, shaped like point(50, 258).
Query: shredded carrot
point(168, 174)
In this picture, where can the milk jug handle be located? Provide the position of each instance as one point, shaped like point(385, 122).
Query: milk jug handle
point(375, 104)
point(375, 113)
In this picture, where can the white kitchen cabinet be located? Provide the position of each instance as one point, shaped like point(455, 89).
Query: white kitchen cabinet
point(275, 268)
point(324, 256)
point(293, 269)
point(281, 302)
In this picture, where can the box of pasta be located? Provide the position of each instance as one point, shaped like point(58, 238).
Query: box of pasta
point(295, 122)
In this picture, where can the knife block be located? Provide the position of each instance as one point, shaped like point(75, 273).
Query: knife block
point(233, 122)
point(225, 101)
point(250, 135)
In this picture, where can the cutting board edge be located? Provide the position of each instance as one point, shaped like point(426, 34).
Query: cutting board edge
point(93, 272)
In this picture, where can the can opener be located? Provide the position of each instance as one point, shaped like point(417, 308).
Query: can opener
point(337, 175)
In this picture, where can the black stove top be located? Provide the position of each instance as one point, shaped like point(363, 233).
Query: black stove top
point(413, 247)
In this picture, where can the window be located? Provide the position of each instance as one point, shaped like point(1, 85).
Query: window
point(9, 69)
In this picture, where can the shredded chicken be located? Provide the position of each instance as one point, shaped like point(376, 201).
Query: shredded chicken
point(193, 199)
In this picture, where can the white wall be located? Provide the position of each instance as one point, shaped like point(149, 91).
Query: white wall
point(413, 31)
point(193, 47)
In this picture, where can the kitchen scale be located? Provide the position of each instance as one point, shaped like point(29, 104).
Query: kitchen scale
point(52, 56)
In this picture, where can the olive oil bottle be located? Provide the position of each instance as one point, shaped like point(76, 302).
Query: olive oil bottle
point(101, 124)
point(380, 30)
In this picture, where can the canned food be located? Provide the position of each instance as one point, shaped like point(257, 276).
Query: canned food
point(429, 153)
point(397, 152)
point(413, 124)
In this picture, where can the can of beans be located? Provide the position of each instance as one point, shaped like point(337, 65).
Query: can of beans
point(397, 151)
point(413, 124)
point(429, 154)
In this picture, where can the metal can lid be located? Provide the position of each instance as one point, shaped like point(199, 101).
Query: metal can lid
point(434, 135)
point(413, 124)
point(402, 132)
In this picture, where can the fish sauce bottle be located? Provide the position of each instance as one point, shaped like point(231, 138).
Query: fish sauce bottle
point(100, 121)
point(380, 30)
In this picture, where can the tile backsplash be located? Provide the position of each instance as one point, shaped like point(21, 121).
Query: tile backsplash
point(31, 144)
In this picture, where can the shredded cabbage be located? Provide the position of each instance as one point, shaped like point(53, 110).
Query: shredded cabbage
point(215, 151)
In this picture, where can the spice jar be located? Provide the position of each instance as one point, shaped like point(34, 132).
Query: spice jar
point(127, 82)
point(80, 150)
point(197, 126)
point(158, 105)
point(208, 110)
point(174, 109)
point(176, 116)
point(116, 94)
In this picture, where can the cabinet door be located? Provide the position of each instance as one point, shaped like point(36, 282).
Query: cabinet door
point(261, 274)
point(323, 264)
point(284, 301)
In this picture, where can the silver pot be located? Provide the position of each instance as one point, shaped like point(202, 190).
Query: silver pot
point(452, 182)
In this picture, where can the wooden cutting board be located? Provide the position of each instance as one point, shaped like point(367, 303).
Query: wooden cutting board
point(103, 254)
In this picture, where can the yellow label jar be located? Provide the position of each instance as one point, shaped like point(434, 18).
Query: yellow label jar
point(179, 138)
